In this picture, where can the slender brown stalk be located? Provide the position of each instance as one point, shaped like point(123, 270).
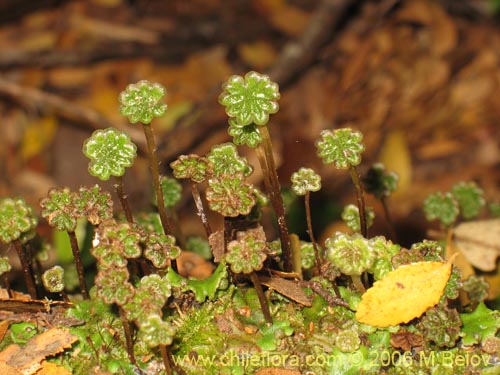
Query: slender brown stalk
point(199, 207)
point(155, 175)
point(269, 167)
point(28, 276)
point(388, 219)
point(123, 198)
point(361, 200)
point(358, 284)
point(166, 359)
point(127, 329)
point(262, 298)
point(317, 255)
point(78, 262)
point(6, 284)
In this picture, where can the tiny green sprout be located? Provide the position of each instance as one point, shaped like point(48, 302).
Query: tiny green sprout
point(192, 167)
point(141, 102)
point(96, 205)
point(160, 249)
point(442, 207)
point(343, 148)
point(470, 198)
point(110, 151)
point(53, 279)
point(350, 215)
point(230, 195)
point(17, 219)
point(250, 99)
point(225, 159)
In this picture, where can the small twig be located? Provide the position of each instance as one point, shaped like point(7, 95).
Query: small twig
point(319, 290)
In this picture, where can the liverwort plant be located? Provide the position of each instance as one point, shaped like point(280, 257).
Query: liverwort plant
point(442, 207)
point(304, 181)
point(246, 255)
point(343, 148)
point(111, 151)
point(17, 221)
point(60, 208)
point(196, 169)
point(141, 102)
point(470, 198)
point(382, 184)
point(248, 102)
point(350, 215)
point(53, 281)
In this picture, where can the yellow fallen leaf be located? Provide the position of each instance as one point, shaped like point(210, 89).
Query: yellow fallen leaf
point(403, 294)
point(38, 136)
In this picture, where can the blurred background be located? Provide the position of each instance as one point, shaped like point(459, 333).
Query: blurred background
point(419, 78)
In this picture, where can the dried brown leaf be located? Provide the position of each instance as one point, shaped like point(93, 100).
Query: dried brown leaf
point(288, 288)
point(5, 369)
point(28, 358)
